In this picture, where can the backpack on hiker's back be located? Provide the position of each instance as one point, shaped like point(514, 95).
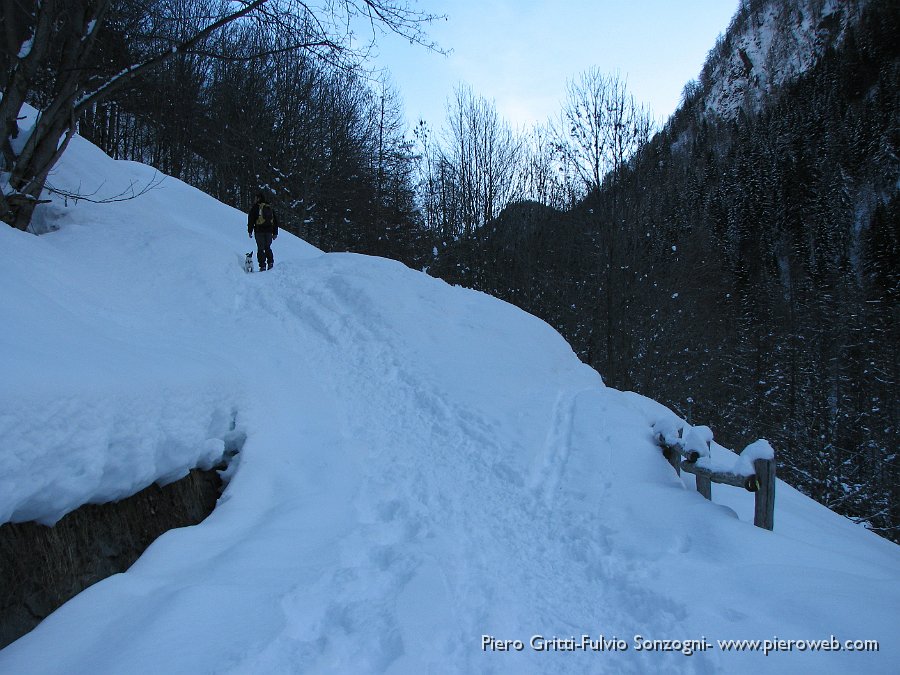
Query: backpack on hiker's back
point(264, 216)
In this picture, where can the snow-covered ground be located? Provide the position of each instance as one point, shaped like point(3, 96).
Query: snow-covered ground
point(428, 471)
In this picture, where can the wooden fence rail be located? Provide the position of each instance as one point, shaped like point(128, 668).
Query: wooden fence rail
point(761, 482)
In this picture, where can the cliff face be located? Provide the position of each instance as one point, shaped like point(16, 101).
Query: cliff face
point(770, 43)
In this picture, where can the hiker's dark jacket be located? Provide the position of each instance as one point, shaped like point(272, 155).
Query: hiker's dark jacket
point(268, 228)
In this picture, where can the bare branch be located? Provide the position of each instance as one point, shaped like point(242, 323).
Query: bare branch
point(127, 194)
point(127, 75)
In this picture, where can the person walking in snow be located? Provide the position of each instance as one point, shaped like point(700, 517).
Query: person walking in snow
point(263, 222)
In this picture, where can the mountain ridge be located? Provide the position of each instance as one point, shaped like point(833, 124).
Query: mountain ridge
point(769, 43)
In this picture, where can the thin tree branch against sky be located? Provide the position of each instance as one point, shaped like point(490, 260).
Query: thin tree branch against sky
point(521, 52)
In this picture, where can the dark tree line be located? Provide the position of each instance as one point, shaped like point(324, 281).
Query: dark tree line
point(324, 137)
point(745, 272)
point(229, 96)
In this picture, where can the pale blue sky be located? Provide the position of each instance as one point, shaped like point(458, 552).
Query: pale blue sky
point(520, 53)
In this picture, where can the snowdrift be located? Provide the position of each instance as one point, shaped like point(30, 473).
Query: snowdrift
point(430, 475)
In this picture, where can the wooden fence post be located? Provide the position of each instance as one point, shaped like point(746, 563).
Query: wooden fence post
point(704, 486)
point(764, 512)
point(673, 457)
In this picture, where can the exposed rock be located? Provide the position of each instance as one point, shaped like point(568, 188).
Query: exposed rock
point(42, 567)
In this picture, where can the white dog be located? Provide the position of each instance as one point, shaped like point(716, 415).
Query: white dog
point(248, 262)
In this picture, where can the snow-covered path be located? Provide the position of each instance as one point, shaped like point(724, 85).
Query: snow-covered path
point(424, 466)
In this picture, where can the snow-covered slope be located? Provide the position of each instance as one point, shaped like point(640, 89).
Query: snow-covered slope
point(424, 466)
point(769, 43)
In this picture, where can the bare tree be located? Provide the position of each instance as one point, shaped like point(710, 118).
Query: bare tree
point(58, 37)
point(392, 166)
point(545, 174)
point(483, 153)
point(601, 125)
point(602, 129)
point(582, 128)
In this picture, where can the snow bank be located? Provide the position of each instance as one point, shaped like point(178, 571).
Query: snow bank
point(697, 439)
point(65, 450)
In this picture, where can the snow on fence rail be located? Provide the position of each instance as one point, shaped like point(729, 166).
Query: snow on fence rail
point(687, 449)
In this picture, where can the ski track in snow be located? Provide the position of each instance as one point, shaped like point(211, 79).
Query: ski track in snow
point(395, 563)
point(408, 519)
